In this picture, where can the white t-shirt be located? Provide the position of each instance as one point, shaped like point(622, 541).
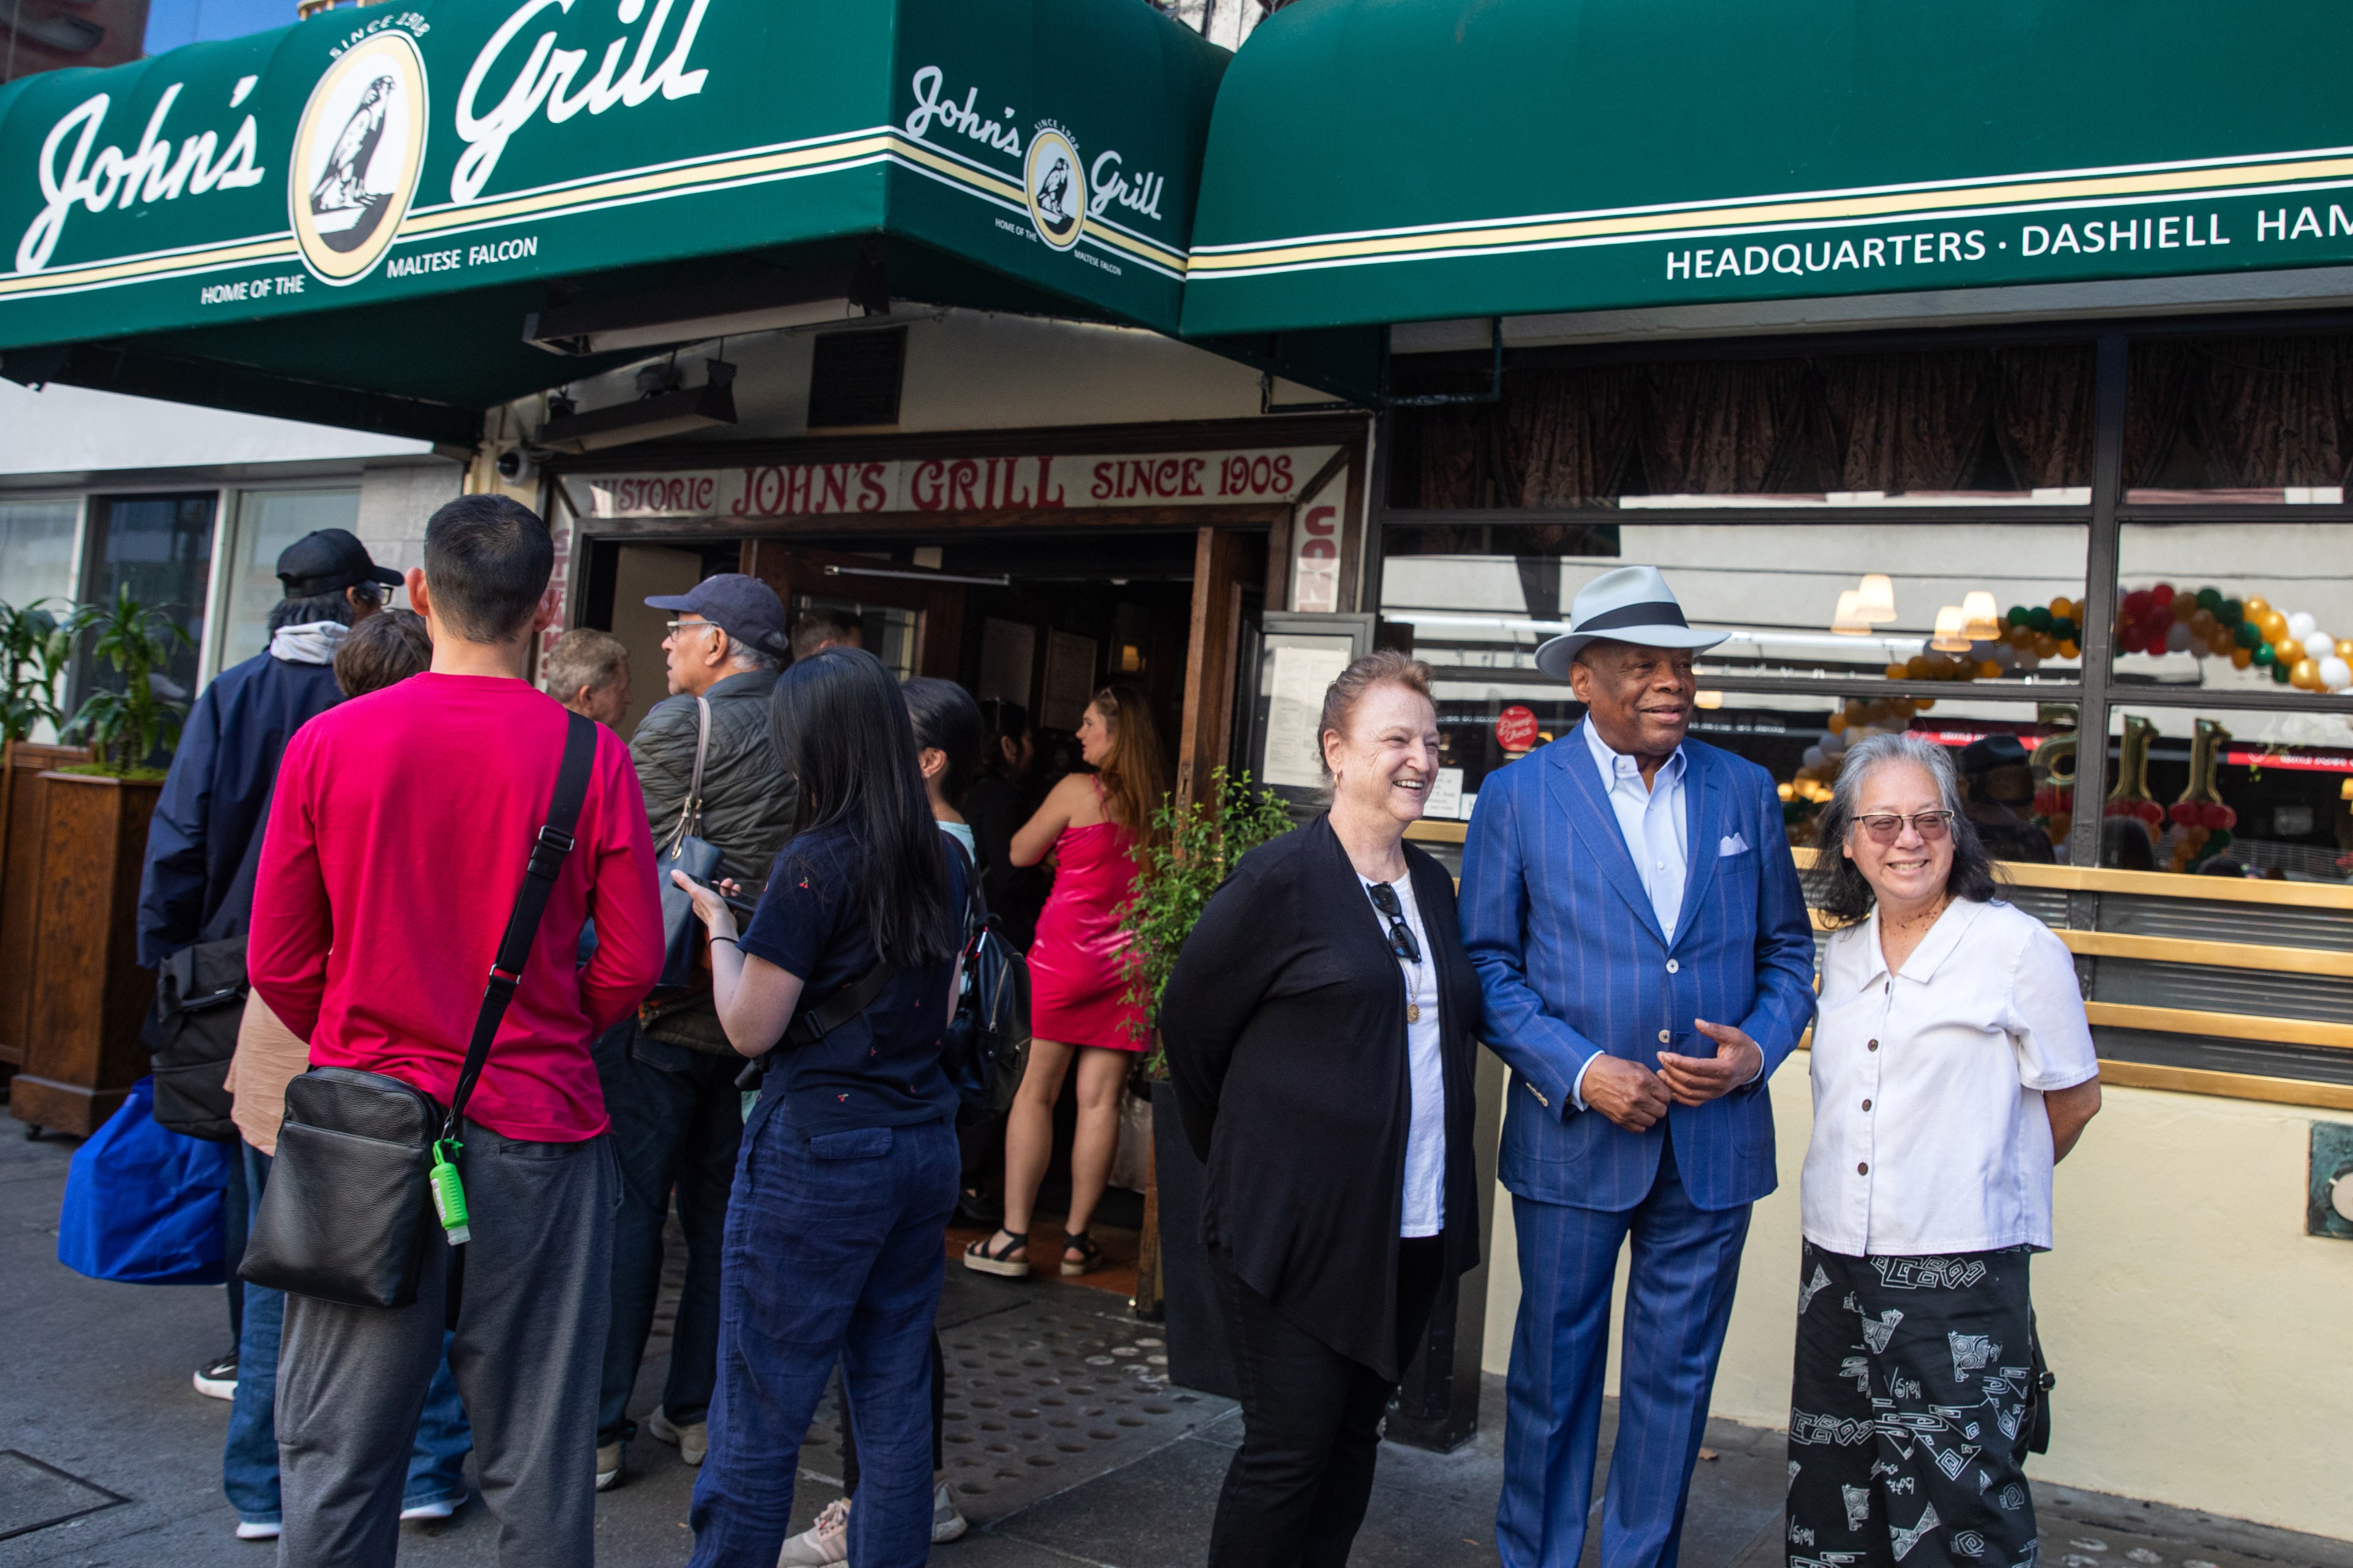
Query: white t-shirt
point(1424, 1213)
point(1929, 1132)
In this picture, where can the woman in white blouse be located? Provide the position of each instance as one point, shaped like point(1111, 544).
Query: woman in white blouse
point(1952, 1069)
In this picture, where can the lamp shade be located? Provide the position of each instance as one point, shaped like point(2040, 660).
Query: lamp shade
point(1952, 635)
point(1980, 618)
point(1848, 621)
point(1876, 598)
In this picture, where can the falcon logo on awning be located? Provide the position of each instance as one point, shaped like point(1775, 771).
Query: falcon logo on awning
point(357, 155)
point(1055, 187)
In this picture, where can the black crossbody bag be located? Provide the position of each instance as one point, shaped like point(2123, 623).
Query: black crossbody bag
point(348, 1211)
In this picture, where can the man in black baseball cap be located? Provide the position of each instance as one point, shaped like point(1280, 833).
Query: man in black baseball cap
point(207, 830)
point(331, 560)
point(668, 1074)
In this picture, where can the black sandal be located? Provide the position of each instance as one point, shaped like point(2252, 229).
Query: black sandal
point(983, 1257)
point(1091, 1255)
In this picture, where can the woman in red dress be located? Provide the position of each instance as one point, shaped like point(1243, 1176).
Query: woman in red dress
point(1097, 826)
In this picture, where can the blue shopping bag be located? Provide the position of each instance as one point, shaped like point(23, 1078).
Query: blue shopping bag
point(145, 1204)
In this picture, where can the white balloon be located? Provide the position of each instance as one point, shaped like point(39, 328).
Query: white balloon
point(1832, 743)
point(1813, 757)
point(2178, 639)
point(2335, 674)
point(2320, 645)
point(2302, 625)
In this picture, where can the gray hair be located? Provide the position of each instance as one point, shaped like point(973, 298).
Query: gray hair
point(741, 655)
point(1842, 891)
point(584, 656)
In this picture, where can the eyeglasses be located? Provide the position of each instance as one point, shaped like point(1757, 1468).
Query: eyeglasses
point(1886, 827)
point(1402, 942)
point(673, 628)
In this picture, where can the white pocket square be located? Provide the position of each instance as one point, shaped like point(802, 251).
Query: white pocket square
point(1733, 845)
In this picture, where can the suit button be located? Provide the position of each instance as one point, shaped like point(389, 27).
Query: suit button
point(1863, 1167)
point(1871, 1047)
point(1664, 1036)
point(1672, 966)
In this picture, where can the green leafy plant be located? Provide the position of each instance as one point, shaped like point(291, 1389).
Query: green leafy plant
point(35, 642)
point(1201, 846)
point(123, 729)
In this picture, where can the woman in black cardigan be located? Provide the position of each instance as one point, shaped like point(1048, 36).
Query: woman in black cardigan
point(1319, 1033)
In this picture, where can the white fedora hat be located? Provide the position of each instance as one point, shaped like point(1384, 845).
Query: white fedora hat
point(1632, 604)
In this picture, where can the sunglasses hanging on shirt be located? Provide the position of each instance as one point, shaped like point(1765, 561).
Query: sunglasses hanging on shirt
point(1401, 940)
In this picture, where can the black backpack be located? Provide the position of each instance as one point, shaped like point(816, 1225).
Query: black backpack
point(988, 1045)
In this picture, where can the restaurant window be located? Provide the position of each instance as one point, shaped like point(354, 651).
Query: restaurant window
point(1949, 427)
point(37, 540)
point(267, 522)
point(2241, 606)
point(2219, 792)
point(161, 548)
point(2239, 420)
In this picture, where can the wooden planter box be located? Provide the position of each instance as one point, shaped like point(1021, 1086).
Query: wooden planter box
point(72, 996)
point(24, 806)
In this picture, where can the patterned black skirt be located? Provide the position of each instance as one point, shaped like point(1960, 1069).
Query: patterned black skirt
point(1908, 1411)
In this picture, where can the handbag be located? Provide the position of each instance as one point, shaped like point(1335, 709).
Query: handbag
point(988, 1045)
point(199, 1002)
point(145, 1204)
point(697, 856)
point(347, 1212)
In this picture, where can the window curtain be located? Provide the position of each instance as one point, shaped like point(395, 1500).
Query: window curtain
point(2223, 413)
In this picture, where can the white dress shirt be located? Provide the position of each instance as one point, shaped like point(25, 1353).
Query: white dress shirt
point(1929, 1130)
point(1650, 819)
point(1424, 1211)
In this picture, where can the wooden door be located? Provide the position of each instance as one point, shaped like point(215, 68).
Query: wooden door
point(1226, 561)
point(830, 575)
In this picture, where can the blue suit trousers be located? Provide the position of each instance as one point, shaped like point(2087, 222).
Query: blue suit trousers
point(1686, 1262)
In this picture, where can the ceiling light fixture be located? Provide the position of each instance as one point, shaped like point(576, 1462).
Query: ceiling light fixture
point(1876, 598)
point(648, 418)
point(1980, 617)
point(1951, 636)
point(1846, 620)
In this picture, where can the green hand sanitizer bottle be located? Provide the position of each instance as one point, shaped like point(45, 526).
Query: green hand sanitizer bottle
point(449, 1193)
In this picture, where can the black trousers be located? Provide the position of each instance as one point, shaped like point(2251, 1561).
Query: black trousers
point(939, 1422)
point(1907, 1412)
point(1296, 1491)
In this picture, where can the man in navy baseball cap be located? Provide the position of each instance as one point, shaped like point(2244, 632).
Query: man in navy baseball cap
point(743, 607)
point(329, 560)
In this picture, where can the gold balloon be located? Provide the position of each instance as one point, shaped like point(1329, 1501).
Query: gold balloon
point(2255, 607)
point(2304, 675)
point(2273, 624)
point(2345, 650)
point(2242, 657)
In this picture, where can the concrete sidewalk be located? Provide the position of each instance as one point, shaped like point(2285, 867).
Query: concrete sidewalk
point(1065, 1444)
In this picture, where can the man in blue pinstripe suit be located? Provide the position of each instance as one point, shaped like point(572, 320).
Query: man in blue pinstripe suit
point(1642, 944)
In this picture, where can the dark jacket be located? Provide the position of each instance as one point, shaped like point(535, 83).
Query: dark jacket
point(212, 802)
point(747, 801)
point(1284, 1024)
point(1016, 894)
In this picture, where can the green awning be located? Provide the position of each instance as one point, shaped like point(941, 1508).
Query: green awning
point(361, 218)
point(1402, 159)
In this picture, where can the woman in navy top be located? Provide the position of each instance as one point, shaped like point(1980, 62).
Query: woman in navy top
point(849, 1168)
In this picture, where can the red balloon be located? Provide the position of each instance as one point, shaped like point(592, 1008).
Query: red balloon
point(2162, 594)
point(2115, 808)
point(2184, 812)
point(2046, 801)
point(2217, 815)
point(2136, 603)
point(2130, 640)
point(2148, 811)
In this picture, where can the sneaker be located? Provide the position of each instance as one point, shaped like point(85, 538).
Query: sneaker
point(217, 1380)
point(692, 1440)
point(248, 1530)
point(826, 1540)
point(440, 1508)
point(608, 1465)
point(946, 1522)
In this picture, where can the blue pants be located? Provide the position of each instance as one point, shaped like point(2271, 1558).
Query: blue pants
point(436, 1469)
point(1686, 1262)
point(836, 1247)
point(678, 1124)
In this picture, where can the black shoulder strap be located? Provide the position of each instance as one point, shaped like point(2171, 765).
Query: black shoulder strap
point(548, 852)
point(808, 1027)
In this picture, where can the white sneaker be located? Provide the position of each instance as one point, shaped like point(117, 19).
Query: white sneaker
point(947, 1524)
point(692, 1440)
point(217, 1380)
point(608, 1465)
point(245, 1531)
point(826, 1540)
point(442, 1509)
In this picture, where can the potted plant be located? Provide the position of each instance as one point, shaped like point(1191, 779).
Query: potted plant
point(35, 644)
point(1201, 845)
point(81, 1050)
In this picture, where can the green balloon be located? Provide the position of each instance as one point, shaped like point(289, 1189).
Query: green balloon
point(2019, 617)
point(2064, 629)
point(2230, 613)
point(2039, 618)
point(2281, 674)
point(2264, 654)
point(2210, 599)
point(2246, 634)
point(2218, 841)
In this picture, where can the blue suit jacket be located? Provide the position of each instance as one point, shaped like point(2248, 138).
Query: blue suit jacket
point(1571, 962)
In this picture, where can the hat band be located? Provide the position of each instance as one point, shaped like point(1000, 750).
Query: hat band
point(1657, 613)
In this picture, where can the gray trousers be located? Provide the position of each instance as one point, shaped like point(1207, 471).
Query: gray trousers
point(534, 1304)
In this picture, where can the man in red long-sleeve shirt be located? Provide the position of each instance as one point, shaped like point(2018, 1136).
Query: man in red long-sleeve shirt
point(396, 844)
